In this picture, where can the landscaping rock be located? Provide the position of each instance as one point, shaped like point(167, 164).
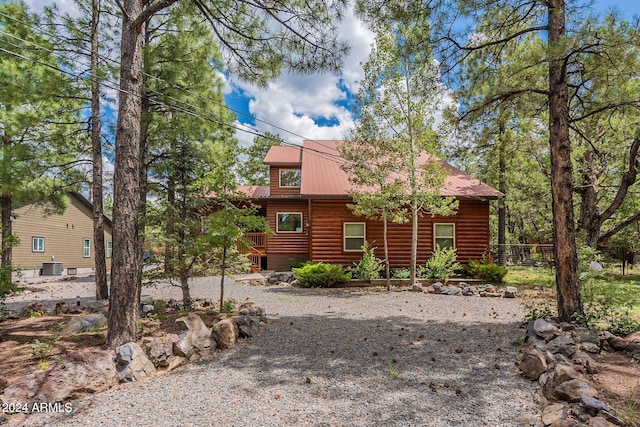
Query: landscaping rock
point(225, 333)
point(617, 343)
point(510, 292)
point(545, 330)
point(34, 308)
point(247, 325)
point(438, 288)
point(62, 307)
point(148, 309)
point(593, 405)
point(590, 347)
point(533, 364)
point(417, 288)
point(490, 294)
point(600, 422)
point(573, 390)
point(258, 282)
point(160, 350)
point(85, 371)
point(85, 323)
point(196, 340)
point(554, 412)
point(468, 291)
point(452, 291)
point(563, 344)
point(132, 363)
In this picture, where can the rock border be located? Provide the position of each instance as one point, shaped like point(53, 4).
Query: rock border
point(559, 356)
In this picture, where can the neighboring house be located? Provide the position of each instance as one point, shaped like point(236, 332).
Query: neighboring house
point(306, 207)
point(64, 239)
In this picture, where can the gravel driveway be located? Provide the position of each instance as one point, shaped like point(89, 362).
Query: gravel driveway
point(337, 358)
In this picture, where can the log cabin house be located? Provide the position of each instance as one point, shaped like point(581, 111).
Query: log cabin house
point(306, 207)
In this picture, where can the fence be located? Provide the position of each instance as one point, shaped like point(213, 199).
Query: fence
point(524, 254)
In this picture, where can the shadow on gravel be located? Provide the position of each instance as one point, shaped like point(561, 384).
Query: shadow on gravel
point(325, 292)
point(397, 366)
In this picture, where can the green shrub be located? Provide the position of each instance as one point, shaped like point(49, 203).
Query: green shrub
point(441, 266)
point(492, 273)
point(321, 275)
point(228, 307)
point(369, 267)
point(400, 273)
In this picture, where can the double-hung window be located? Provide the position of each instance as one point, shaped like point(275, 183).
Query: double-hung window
point(109, 251)
point(444, 235)
point(86, 247)
point(354, 235)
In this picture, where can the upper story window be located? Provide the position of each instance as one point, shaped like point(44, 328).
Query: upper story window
point(289, 177)
point(109, 251)
point(37, 244)
point(289, 222)
point(444, 235)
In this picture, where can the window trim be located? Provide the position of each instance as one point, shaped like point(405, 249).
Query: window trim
point(436, 236)
point(345, 237)
point(108, 252)
point(33, 246)
point(289, 213)
point(289, 169)
point(86, 249)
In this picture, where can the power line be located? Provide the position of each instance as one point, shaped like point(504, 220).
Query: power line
point(191, 109)
point(189, 92)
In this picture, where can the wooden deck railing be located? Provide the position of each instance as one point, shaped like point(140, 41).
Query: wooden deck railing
point(257, 249)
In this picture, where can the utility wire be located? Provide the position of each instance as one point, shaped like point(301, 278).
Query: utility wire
point(186, 90)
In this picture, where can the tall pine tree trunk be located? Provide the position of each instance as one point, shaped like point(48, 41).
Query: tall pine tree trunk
point(102, 287)
point(564, 248)
point(502, 187)
point(223, 270)
point(7, 251)
point(123, 301)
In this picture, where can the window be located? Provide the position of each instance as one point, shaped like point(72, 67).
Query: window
point(444, 235)
point(354, 236)
point(86, 247)
point(289, 222)
point(37, 244)
point(289, 177)
point(109, 249)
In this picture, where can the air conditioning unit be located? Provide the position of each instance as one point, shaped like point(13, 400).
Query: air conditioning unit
point(52, 269)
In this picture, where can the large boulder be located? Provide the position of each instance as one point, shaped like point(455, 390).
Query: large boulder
point(196, 341)
point(545, 330)
point(85, 323)
point(225, 333)
point(84, 371)
point(160, 350)
point(132, 363)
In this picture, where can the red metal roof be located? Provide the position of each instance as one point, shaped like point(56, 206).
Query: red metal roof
point(255, 191)
point(322, 175)
point(284, 156)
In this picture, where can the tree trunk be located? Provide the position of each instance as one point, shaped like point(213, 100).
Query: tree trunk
point(7, 251)
point(184, 285)
point(387, 268)
point(564, 248)
point(502, 187)
point(222, 273)
point(589, 221)
point(102, 287)
point(123, 302)
point(170, 228)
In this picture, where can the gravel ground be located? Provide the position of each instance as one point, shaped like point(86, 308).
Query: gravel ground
point(336, 358)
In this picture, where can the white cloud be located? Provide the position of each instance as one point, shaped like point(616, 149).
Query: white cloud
point(300, 104)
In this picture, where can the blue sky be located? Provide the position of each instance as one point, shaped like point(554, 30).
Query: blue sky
point(318, 106)
point(315, 106)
